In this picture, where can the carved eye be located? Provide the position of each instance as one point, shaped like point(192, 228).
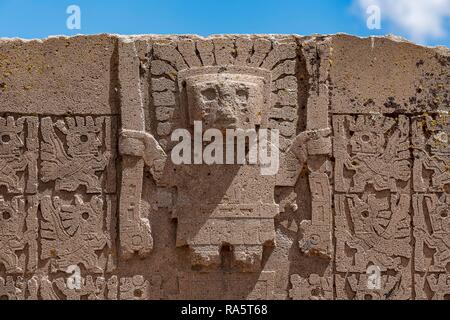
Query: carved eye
point(365, 214)
point(6, 215)
point(6, 138)
point(315, 292)
point(138, 293)
point(85, 215)
point(84, 138)
point(365, 138)
point(314, 239)
point(209, 94)
point(242, 94)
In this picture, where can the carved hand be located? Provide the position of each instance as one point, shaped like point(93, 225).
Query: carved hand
point(141, 144)
point(312, 142)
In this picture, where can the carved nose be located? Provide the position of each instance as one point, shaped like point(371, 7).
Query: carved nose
point(225, 111)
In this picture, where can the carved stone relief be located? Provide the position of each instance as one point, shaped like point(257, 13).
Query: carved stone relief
point(90, 195)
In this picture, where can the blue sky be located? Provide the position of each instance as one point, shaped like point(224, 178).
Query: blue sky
point(424, 21)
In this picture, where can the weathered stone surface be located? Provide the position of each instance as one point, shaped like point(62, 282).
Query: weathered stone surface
point(93, 206)
point(59, 76)
point(387, 75)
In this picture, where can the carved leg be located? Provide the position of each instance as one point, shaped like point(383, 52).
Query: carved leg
point(359, 182)
point(207, 256)
point(90, 261)
point(248, 257)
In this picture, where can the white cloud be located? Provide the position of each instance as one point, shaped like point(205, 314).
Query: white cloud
point(420, 19)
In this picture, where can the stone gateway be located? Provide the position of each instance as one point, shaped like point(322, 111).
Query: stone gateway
point(93, 205)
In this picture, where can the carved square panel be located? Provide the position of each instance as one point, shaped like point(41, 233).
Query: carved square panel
point(372, 230)
point(431, 150)
point(19, 147)
point(431, 232)
point(371, 151)
point(78, 232)
point(19, 234)
point(432, 286)
point(79, 152)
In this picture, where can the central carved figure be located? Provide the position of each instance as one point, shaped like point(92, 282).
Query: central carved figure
point(225, 101)
point(228, 227)
point(239, 214)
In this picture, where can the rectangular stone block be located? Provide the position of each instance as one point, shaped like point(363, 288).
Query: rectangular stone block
point(356, 208)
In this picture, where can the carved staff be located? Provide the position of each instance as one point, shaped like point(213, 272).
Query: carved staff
point(135, 230)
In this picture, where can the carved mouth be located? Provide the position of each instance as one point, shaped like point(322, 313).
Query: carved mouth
point(227, 122)
point(12, 152)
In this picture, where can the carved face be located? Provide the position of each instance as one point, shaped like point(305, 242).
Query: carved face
point(10, 143)
point(11, 216)
point(225, 101)
point(83, 218)
point(366, 142)
point(363, 214)
point(83, 141)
